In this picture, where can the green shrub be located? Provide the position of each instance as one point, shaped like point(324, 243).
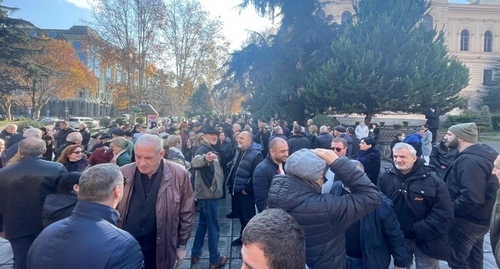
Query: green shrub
point(325, 120)
point(140, 120)
point(466, 117)
point(484, 118)
point(121, 121)
point(26, 123)
point(495, 122)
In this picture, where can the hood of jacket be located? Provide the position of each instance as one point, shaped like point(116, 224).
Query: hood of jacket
point(481, 150)
point(57, 202)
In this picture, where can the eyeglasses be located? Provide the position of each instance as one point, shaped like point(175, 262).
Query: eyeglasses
point(78, 152)
point(337, 149)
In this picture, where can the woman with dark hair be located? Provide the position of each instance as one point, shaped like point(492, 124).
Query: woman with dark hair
point(399, 137)
point(375, 131)
point(49, 144)
point(60, 205)
point(73, 158)
point(369, 156)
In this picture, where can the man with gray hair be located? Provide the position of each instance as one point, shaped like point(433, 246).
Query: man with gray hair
point(23, 187)
point(30, 132)
point(158, 205)
point(324, 137)
point(74, 138)
point(62, 243)
point(422, 205)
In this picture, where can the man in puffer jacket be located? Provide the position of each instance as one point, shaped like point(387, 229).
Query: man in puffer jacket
point(323, 217)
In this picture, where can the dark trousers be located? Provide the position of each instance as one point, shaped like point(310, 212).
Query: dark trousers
point(434, 132)
point(466, 240)
point(245, 208)
point(20, 247)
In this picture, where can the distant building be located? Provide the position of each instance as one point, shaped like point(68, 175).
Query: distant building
point(85, 103)
point(472, 33)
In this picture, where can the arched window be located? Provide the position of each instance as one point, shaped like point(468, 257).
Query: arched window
point(464, 40)
point(346, 17)
point(488, 41)
point(428, 22)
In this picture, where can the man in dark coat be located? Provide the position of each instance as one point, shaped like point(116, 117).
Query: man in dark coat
point(91, 229)
point(372, 240)
point(324, 137)
point(64, 130)
point(423, 207)
point(82, 128)
point(6, 133)
point(432, 117)
point(323, 217)
point(23, 187)
point(355, 141)
point(415, 140)
point(298, 140)
point(264, 172)
point(472, 188)
point(240, 180)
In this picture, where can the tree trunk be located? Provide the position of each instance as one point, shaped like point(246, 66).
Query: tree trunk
point(368, 117)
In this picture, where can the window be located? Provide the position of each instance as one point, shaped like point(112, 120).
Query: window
point(428, 22)
point(464, 40)
point(488, 41)
point(346, 17)
point(487, 77)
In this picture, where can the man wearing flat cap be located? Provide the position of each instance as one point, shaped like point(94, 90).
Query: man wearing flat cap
point(323, 217)
point(472, 188)
point(339, 131)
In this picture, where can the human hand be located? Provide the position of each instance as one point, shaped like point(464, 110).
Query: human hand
point(180, 253)
point(210, 156)
point(244, 192)
point(329, 156)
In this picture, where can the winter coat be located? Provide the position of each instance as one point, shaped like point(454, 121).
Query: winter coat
point(432, 119)
point(91, 230)
point(380, 235)
point(208, 176)
point(325, 217)
point(325, 140)
point(371, 162)
point(471, 184)
point(174, 210)
point(57, 207)
point(23, 188)
point(243, 174)
point(262, 177)
point(86, 137)
point(296, 142)
point(441, 155)
point(427, 143)
point(421, 197)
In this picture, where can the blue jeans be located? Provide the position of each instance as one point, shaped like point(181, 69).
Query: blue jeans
point(466, 240)
point(209, 220)
point(354, 263)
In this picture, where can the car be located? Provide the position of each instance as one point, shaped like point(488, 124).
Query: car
point(49, 120)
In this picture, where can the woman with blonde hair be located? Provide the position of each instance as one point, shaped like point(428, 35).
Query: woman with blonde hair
point(119, 145)
point(73, 158)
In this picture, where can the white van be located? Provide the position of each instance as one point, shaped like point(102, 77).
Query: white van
point(76, 121)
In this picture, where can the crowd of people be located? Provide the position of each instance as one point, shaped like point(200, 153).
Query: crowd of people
point(305, 196)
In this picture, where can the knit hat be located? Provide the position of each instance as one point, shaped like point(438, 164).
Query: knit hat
point(466, 131)
point(305, 165)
